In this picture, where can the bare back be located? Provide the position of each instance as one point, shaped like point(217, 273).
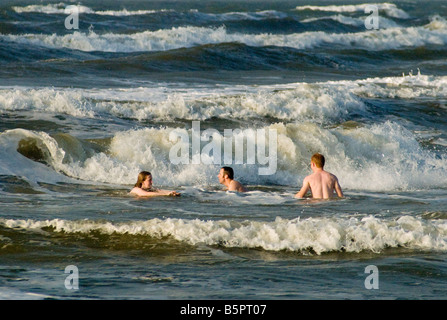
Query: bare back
point(322, 184)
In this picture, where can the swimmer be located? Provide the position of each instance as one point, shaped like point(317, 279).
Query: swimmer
point(322, 184)
point(226, 177)
point(143, 187)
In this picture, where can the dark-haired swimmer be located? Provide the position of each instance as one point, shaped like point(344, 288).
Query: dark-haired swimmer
point(226, 177)
point(143, 187)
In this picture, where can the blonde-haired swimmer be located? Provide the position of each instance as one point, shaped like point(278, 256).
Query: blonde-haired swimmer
point(143, 187)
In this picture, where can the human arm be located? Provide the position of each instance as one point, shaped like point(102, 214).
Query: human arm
point(168, 193)
point(304, 189)
point(338, 189)
point(143, 193)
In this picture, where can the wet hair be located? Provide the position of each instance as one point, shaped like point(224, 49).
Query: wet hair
point(229, 171)
point(318, 159)
point(141, 177)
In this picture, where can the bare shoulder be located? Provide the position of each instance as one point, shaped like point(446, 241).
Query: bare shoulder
point(310, 178)
point(328, 175)
point(135, 191)
point(333, 177)
point(142, 193)
point(236, 186)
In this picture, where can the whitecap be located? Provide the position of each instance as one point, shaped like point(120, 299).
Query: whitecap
point(389, 9)
point(434, 33)
point(308, 236)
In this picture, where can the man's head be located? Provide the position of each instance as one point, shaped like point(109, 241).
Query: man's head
point(318, 160)
point(225, 173)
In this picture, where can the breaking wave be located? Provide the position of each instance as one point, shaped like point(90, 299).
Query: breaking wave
point(311, 235)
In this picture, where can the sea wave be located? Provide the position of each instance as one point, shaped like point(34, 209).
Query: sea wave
point(308, 236)
point(434, 33)
point(353, 21)
point(320, 102)
point(379, 157)
point(389, 9)
point(63, 8)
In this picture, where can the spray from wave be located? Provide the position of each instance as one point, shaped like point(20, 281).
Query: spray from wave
point(324, 102)
point(377, 155)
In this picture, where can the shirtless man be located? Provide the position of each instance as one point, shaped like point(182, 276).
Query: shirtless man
point(321, 183)
point(143, 187)
point(226, 176)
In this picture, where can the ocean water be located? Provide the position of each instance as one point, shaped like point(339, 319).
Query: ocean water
point(84, 110)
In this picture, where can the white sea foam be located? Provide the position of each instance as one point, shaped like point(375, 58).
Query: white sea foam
point(49, 100)
point(61, 8)
point(389, 9)
point(379, 157)
point(8, 293)
point(406, 87)
point(57, 8)
point(434, 33)
point(228, 16)
point(353, 21)
point(314, 235)
point(14, 164)
point(321, 102)
point(441, 142)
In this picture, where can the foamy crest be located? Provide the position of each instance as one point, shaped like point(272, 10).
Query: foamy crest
point(389, 9)
point(15, 164)
point(57, 8)
point(318, 102)
point(379, 157)
point(311, 235)
point(49, 100)
point(8, 293)
point(376, 157)
point(129, 153)
point(160, 40)
point(434, 33)
point(387, 157)
point(60, 8)
point(405, 87)
point(352, 21)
